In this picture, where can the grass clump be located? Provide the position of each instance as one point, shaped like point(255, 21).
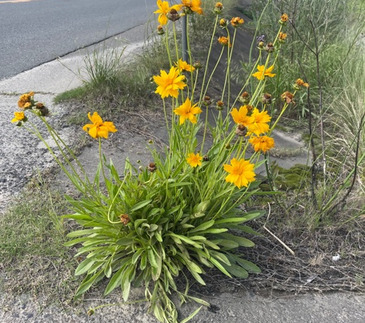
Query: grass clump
point(32, 255)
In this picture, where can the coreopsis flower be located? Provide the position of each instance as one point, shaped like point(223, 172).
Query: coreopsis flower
point(186, 111)
point(237, 21)
point(240, 172)
point(194, 160)
point(224, 41)
point(184, 66)
point(25, 100)
point(299, 83)
point(287, 97)
point(283, 19)
point(169, 84)
point(262, 143)
point(259, 122)
point(218, 8)
point(282, 37)
point(192, 6)
point(240, 116)
point(163, 10)
point(99, 128)
point(262, 72)
point(19, 117)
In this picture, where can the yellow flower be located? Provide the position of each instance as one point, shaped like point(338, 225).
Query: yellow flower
point(25, 100)
point(19, 116)
point(261, 73)
point(163, 9)
point(284, 17)
point(193, 6)
point(262, 143)
point(282, 37)
point(194, 160)
point(169, 84)
point(240, 116)
point(224, 41)
point(184, 66)
point(240, 172)
point(98, 128)
point(237, 21)
point(187, 112)
point(259, 123)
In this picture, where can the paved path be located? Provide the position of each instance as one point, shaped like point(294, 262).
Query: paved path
point(37, 31)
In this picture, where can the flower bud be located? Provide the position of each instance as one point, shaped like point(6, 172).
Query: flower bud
point(244, 98)
point(241, 130)
point(220, 105)
point(173, 15)
point(152, 167)
point(223, 23)
point(266, 98)
point(207, 101)
point(228, 146)
point(160, 30)
point(218, 8)
point(270, 47)
point(205, 158)
point(261, 45)
point(90, 312)
point(197, 65)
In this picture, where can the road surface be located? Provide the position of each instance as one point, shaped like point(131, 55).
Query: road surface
point(33, 32)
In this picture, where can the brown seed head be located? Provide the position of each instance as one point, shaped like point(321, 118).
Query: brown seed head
point(287, 97)
point(266, 98)
point(124, 218)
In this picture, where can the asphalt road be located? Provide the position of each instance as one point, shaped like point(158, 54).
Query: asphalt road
point(33, 32)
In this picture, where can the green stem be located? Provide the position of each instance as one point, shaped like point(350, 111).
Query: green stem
point(208, 57)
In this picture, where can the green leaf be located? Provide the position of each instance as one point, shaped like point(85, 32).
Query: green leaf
point(218, 265)
point(237, 271)
point(152, 258)
point(78, 233)
point(114, 281)
point(87, 283)
point(248, 265)
point(191, 315)
point(240, 240)
point(124, 241)
point(77, 216)
point(203, 226)
point(140, 205)
point(179, 184)
point(249, 216)
point(186, 240)
point(84, 266)
point(226, 243)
